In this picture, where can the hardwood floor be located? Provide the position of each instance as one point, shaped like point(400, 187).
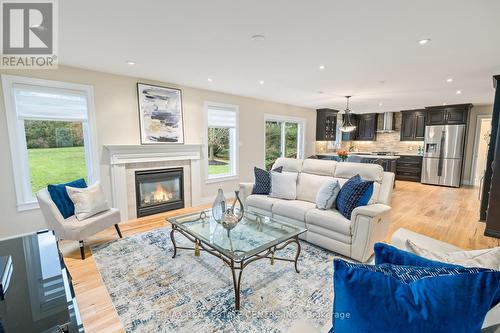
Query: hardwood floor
point(447, 214)
point(443, 213)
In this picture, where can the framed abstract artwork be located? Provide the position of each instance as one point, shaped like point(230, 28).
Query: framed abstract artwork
point(160, 114)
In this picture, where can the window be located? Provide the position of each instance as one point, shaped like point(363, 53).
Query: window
point(222, 140)
point(284, 138)
point(49, 126)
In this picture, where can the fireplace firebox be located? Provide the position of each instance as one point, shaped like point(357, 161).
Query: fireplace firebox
point(159, 191)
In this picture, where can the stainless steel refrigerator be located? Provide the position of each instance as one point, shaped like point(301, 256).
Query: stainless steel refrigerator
point(443, 155)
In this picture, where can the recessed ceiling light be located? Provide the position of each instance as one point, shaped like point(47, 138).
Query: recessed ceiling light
point(449, 80)
point(424, 41)
point(130, 62)
point(459, 92)
point(380, 104)
point(444, 103)
point(322, 67)
point(261, 82)
point(258, 37)
point(210, 80)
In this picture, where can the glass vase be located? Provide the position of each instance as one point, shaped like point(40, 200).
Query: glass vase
point(237, 208)
point(219, 206)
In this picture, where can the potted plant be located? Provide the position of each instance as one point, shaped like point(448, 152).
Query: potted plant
point(343, 155)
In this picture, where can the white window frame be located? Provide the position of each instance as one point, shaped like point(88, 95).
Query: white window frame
point(26, 200)
point(301, 133)
point(234, 143)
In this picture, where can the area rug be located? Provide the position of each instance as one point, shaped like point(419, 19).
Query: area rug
point(154, 293)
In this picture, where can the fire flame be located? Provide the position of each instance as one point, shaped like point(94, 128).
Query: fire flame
point(161, 194)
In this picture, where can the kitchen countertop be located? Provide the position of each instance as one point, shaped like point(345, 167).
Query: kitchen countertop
point(364, 155)
point(409, 154)
point(382, 157)
point(396, 154)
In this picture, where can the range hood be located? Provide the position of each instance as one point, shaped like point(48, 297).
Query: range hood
point(387, 125)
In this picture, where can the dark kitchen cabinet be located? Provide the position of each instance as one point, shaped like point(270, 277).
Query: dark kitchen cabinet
point(389, 165)
point(367, 126)
point(409, 167)
point(456, 117)
point(407, 126)
point(490, 194)
point(420, 125)
point(436, 117)
point(413, 125)
point(448, 114)
point(326, 124)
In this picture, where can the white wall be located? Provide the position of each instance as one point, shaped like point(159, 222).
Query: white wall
point(118, 123)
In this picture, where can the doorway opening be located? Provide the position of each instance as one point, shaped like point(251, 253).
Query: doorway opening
point(483, 133)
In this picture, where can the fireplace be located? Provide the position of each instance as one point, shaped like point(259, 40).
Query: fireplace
point(159, 191)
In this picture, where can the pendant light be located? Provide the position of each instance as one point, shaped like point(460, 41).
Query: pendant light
point(347, 125)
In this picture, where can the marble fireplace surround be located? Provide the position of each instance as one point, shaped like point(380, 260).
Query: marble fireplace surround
point(126, 159)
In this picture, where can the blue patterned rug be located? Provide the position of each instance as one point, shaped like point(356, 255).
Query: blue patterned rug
point(154, 293)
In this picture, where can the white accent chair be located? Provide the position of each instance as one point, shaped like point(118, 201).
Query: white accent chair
point(71, 228)
point(329, 229)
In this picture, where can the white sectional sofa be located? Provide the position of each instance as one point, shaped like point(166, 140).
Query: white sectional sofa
point(329, 229)
point(492, 321)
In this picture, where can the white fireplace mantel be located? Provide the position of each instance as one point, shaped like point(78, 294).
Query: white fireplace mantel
point(121, 155)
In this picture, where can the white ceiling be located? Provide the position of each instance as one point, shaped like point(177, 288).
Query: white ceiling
point(361, 43)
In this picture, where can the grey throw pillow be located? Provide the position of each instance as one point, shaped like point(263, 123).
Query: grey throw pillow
point(284, 185)
point(327, 194)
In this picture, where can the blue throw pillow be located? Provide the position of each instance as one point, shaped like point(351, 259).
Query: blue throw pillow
point(354, 193)
point(392, 299)
point(262, 183)
point(388, 254)
point(60, 196)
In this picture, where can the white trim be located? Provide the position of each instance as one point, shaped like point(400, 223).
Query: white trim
point(124, 154)
point(301, 133)
point(15, 127)
point(234, 154)
point(221, 179)
point(31, 205)
point(477, 139)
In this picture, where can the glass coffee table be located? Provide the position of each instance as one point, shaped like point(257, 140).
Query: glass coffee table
point(255, 237)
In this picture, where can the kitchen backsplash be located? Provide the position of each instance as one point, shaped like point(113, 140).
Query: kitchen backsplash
point(384, 142)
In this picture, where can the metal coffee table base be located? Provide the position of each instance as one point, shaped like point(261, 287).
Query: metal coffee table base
point(236, 266)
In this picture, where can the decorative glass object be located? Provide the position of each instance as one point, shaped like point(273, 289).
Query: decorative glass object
point(219, 206)
point(237, 207)
point(227, 217)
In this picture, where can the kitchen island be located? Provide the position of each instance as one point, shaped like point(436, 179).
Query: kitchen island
point(388, 162)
